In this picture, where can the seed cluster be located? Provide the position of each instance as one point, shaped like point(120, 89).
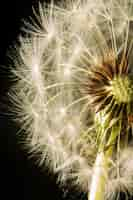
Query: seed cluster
point(110, 87)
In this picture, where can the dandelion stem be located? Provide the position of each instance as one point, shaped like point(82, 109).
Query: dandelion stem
point(102, 163)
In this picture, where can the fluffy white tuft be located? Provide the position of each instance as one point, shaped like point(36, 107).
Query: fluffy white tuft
point(51, 69)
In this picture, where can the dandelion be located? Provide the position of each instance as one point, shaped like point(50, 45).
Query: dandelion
point(73, 93)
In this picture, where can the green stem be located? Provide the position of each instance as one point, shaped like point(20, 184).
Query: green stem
point(100, 171)
point(99, 178)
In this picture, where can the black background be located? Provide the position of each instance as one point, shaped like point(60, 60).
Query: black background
point(20, 176)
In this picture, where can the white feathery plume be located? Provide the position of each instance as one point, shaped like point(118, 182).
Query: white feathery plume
point(73, 92)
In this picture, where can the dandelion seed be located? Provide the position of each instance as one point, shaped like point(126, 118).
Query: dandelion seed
point(74, 95)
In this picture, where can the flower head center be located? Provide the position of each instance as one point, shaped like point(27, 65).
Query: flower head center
point(121, 89)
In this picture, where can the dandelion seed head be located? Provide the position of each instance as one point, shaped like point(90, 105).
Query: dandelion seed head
point(73, 72)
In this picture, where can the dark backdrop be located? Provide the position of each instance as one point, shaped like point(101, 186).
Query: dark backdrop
point(20, 176)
